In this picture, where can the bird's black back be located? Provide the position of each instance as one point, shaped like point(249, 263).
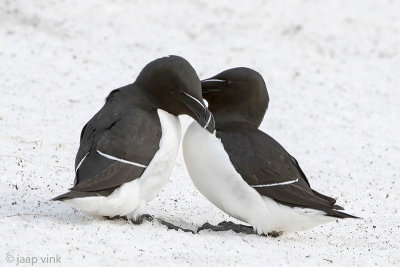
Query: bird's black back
point(126, 127)
point(261, 160)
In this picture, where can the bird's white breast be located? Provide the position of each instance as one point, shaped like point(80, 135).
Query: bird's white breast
point(215, 177)
point(130, 197)
point(160, 168)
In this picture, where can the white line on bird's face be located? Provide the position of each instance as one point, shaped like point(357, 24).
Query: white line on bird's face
point(208, 122)
point(213, 80)
point(194, 99)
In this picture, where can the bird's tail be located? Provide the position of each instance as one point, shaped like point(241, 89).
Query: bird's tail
point(74, 194)
point(340, 214)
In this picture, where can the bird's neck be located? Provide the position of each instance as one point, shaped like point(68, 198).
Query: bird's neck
point(234, 125)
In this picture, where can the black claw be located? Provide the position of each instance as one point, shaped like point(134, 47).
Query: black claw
point(274, 234)
point(116, 218)
point(237, 228)
point(205, 226)
point(174, 227)
point(139, 219)
point(147, 217)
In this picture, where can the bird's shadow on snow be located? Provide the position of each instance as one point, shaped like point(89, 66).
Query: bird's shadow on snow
point(45, 210)
point(27, 206)
point(34, 208)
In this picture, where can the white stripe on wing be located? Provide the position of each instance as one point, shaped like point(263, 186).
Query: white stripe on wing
point(80, 163)
point(275, 184)
point(121, 160)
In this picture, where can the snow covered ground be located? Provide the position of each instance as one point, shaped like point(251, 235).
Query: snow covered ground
point(333, 73)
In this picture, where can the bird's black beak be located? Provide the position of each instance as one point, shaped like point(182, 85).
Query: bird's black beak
point(201, 113)
point(212, 85)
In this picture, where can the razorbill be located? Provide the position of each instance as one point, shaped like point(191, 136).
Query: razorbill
point(128, 149)
point(245, 172)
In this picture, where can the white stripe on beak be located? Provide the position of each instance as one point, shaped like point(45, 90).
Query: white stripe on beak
point(194, 99)
point(213, 80)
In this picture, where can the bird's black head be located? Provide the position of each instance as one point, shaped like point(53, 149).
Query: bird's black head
point(235, 96)
point(174, 86)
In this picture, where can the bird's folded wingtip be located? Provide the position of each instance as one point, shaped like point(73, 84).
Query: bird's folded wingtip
point(60, 197)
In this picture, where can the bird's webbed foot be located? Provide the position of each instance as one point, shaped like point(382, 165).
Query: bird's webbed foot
point(227, 226)
point(171, 226)
point(141, 218)
point(275, 234)
point(116, 217)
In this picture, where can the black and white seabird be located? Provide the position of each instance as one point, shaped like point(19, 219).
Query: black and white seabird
point(245, 172)
point(128, 149)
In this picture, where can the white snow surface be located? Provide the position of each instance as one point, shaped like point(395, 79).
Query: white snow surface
point(333, 76)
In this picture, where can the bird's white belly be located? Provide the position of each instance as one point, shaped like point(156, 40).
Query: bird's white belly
point(130, 197)
point(215, 177)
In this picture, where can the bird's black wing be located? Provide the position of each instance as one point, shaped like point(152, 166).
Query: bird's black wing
point(116, 146)
point(266, 166)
